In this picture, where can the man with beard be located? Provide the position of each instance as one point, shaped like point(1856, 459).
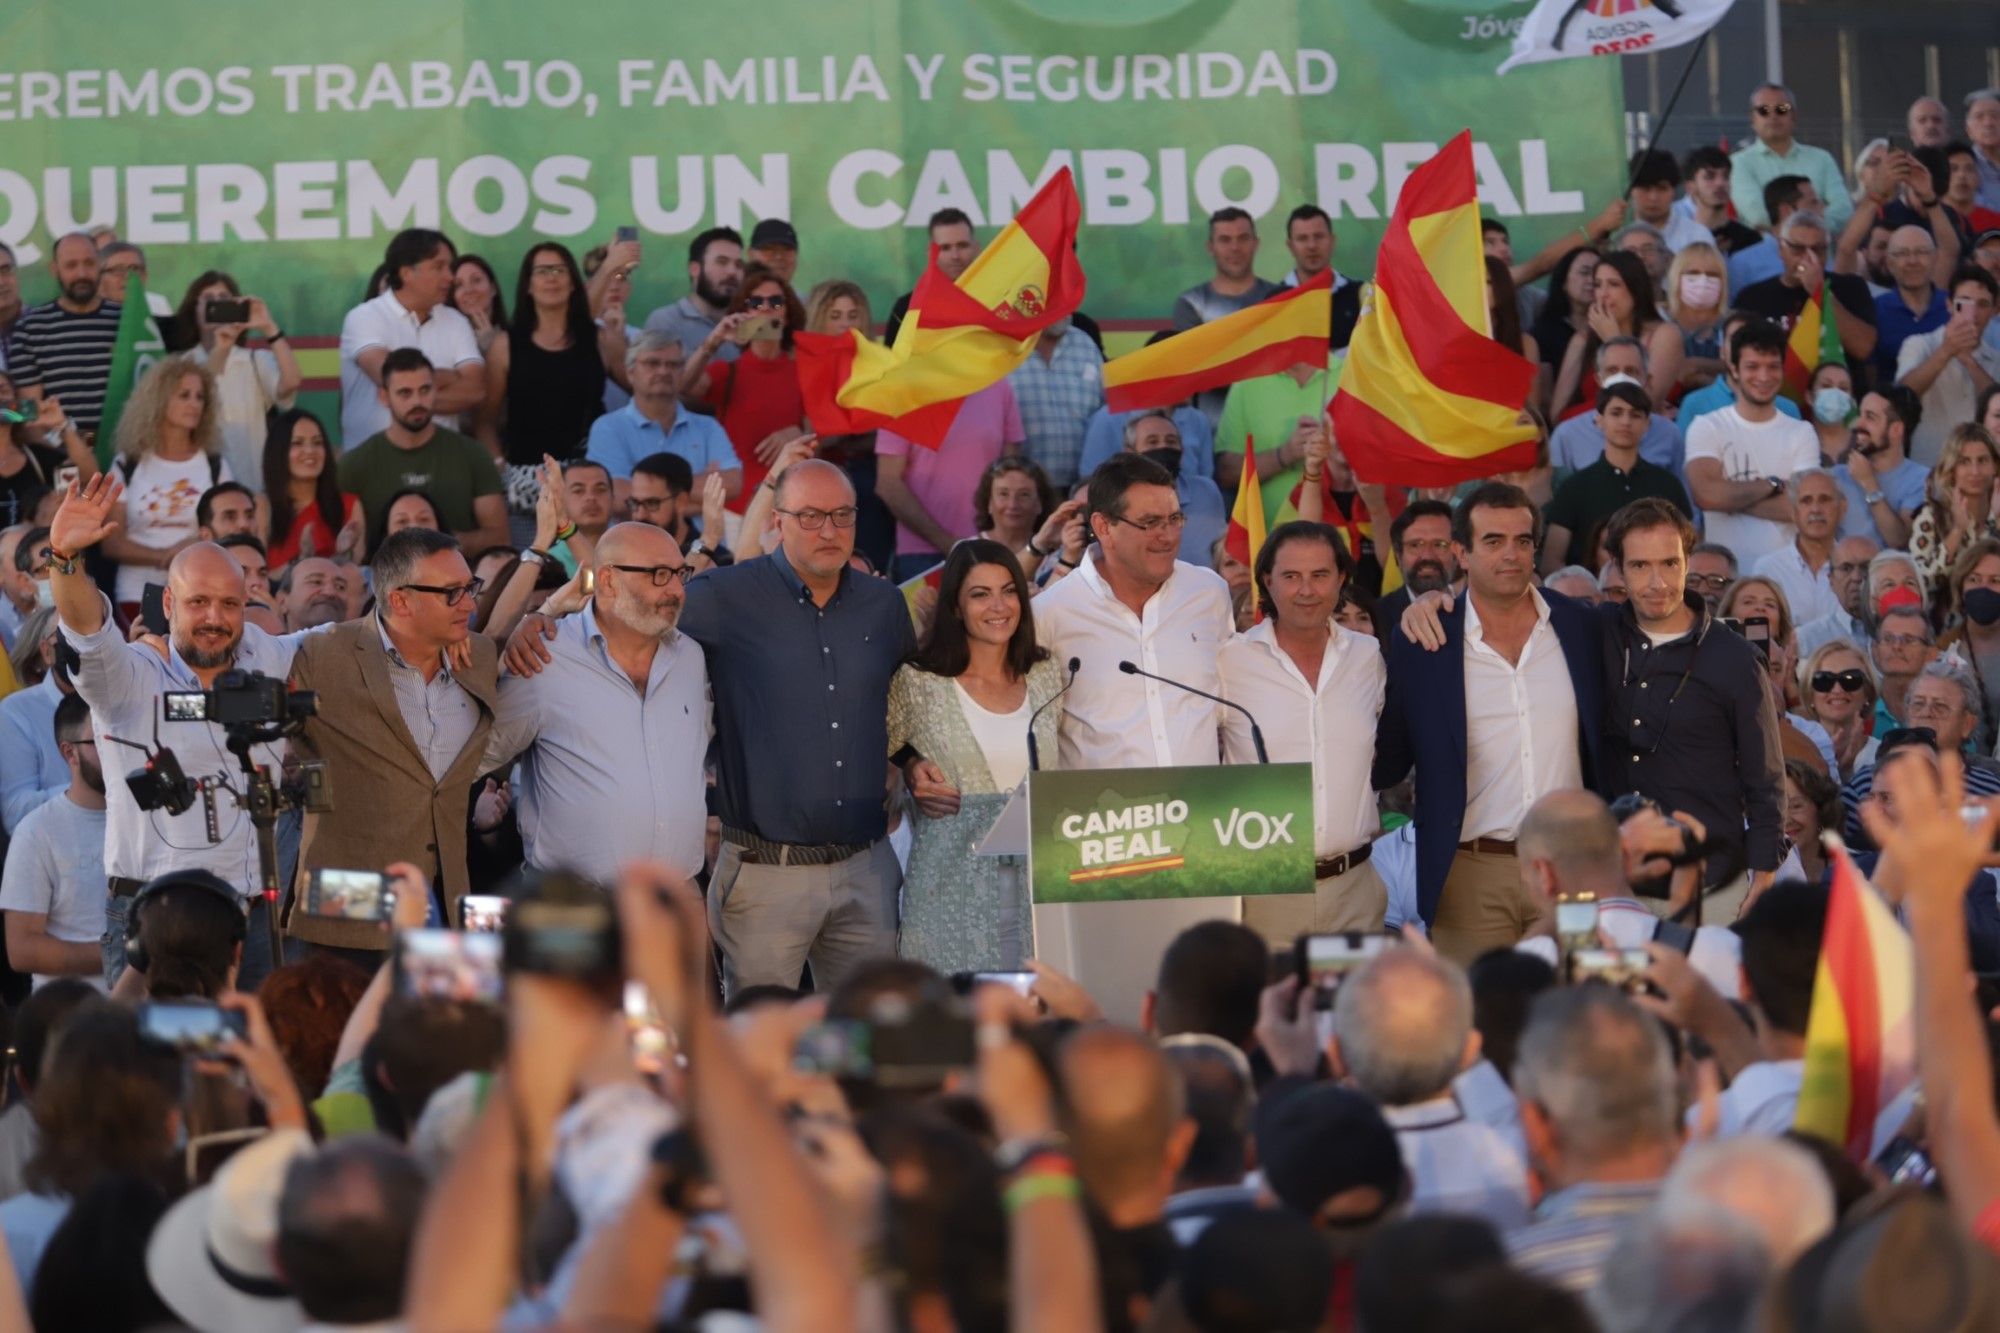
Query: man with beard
point(415, 452)
point(62, 350)
point(401, 728)
point(1421, 538)
point(613, 732)
point(715, 270)
point(123, 683)
point(312, 594)
point(1884, 485)
point(413, 314)
point(52, 894)
point(587, 495)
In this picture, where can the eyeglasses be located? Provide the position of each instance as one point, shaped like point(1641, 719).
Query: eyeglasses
point(1617, 594)
point(647, 506)
point(1419, 544)
point(1901, 640)
point(1852, 680)
point(812, 520)
point(1174, 522)
point(123, 270)
point(661, 575)
point(453, 595)
point(764, 303)
point(1773, 109)
point(1709, 582)
point(549, 271)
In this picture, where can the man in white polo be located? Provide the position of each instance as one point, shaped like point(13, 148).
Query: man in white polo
point(410, 312)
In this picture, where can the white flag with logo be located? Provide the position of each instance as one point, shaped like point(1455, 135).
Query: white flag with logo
point(1560, 29)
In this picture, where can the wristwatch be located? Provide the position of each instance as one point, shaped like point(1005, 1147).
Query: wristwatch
point(1777, 485)
point(535, 555)
point(1873, 498)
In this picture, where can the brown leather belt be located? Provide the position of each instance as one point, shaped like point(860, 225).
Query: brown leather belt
point(1333, 866)
point(763, 852)
point(1489, 846)
point(120, 887)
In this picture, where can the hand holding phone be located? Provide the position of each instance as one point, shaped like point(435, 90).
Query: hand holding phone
point(447, 965)
point(191, 1027)
point(349, 895)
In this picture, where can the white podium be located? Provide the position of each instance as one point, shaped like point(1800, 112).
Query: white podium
point(1112, 949)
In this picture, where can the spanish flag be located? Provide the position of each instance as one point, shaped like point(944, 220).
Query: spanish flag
point(957, 338)
point(1861, 1031)
point(1245, 535)
point(1275, 334)
point(1815, 340)
point(1428, 398)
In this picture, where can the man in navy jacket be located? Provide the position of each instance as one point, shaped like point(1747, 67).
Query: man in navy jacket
point(1509, 710)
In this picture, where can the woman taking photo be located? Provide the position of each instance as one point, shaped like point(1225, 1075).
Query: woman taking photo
point(545, 375)
point(1838, 685)
point(963, 701)
point(250, 383)
point(1958, 506)
point(756, 397)
point(1621, 303)
point(1697, 299)
point(169, 453)
point(309, 513)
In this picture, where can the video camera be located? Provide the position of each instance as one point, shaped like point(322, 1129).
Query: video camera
point(243, 699)
point(1692, 849)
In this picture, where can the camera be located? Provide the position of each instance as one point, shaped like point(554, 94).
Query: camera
point(1692, 849)
point(560, 925)
point(242, 699)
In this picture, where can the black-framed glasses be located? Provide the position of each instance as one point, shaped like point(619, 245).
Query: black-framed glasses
point(661, 575)
point(1709, 582)
point(764, 303)
point(1852, 680)
point(812, 520)
point(1153, 522)
point(452, 595)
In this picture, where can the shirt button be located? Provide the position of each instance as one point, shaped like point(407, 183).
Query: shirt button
point(836, 726)
point(826, 650)
point(837, 763)
point(1642, 684)
point(829, 687)
point(840, 803)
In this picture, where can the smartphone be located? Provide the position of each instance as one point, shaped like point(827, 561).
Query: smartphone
point(575, 940)
point(349, 895)
point(483, 912)
point(192, 1027)
point(66, 476)
point(919, 1052)
point(1623, 968)
point(1757, 629)
point(226, 310)
point(15, 415)
point(764, 328)
point(448, 965)
point(1022, 982)
point(1576, 917)
point(1904, 1163)
point(1321, 961)
point(652, 1044)
point(628, 234)
point(153, 609)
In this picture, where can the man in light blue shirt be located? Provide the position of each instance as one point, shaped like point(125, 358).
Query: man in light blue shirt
point(1058, 389)
point(1884, 485)
point(614, 730)
point(32, 771)
point(653, 423)
point(1105, 436)
point(1578, 442)
point(1773, 116)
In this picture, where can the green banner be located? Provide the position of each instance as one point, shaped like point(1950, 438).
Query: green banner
point(1112, 834)
point(286, 146)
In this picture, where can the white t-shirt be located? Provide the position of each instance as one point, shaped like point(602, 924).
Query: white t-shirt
point(245, 391)
point(1780, 447)
point(1002, 737)
point(160, 500)
point(445, 336)
point(55, 866)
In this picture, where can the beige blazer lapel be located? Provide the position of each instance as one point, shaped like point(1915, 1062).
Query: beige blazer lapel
point(375, 679)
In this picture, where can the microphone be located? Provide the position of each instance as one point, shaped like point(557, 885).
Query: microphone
point(1034, 753)
point(1256, 732)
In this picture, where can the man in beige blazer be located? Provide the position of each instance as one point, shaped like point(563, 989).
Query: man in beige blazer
point(402, 731)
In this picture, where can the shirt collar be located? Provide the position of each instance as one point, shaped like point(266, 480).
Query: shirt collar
point(1598, 1196)
point(797, 585)
point(1100, 585)
point(1472, 625)
point(389, 647)
point(1436, 1113)
point(1265, 632)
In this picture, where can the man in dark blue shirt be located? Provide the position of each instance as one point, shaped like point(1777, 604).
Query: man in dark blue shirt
point(800, 653)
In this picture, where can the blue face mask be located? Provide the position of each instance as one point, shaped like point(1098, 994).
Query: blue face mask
point(1833, 406)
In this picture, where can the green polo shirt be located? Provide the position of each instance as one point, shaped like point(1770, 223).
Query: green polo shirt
point(1586, 502)
point(1267, 409)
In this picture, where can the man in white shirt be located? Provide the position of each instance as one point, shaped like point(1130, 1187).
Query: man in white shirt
point(410, 312)
point(1949, 367)
point(1739, 458)
point(52, 892)
point(1316, 691)
point(1402, 1031)
point(1804, 569)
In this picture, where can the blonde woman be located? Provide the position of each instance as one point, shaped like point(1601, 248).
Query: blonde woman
point(1958, 504)
point(1837, 689)
point(1756, 597)
point(169, 453)
point(1697, 301)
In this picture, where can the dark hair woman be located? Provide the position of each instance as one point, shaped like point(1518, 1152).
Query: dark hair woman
point(964, 701)
point(1621, 303)
point(548, 370)
point(310, 515)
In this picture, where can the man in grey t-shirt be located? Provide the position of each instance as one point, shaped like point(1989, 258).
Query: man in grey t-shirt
point(1232, 244)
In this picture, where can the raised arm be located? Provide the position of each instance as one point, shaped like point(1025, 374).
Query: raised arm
point(89, 513)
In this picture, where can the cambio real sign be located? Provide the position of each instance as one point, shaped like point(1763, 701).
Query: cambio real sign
point(288, 146)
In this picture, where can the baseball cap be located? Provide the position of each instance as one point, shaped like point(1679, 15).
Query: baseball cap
point(774, 231)
point(1322, 1141)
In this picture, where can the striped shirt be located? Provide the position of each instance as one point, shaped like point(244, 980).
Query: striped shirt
point(1982, 779)
point(1574, 1230)
point(68, 355)
point(1057, 398)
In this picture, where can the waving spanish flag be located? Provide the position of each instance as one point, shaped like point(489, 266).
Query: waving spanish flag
point(957, 338)
point(1815, 340)
point(1861, 1049)
point(1262, 339)
point(1427, 397)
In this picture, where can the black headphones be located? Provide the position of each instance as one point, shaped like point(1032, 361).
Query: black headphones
point(135, 950)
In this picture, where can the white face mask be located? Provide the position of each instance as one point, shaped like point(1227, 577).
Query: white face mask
point(1700, 289)
point(45, 592)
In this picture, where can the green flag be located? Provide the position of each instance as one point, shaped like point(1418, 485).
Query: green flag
point(135, 330)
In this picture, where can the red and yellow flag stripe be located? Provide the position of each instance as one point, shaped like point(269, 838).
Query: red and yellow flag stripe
point(1275, 334)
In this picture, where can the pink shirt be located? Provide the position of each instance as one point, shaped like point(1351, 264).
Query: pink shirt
point(944, 479)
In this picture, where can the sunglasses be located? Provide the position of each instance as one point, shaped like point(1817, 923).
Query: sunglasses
point(1850, 680)
point(764, 303)
point(1773, 109)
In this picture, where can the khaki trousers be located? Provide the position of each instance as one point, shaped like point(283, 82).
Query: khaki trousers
point(1355, 900)
point(1484, 906)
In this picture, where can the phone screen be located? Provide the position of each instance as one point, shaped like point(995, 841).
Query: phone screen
point(1576, 917)
point(1022, 982)
point(185, 706)
point(1757, 629)
point(628, 233)
point(1325, 959)
point(349, 895)
point(447, 965)
point(483, 912)
point(189, 1025)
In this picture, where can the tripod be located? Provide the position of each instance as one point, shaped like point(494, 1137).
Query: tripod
point(266, 800)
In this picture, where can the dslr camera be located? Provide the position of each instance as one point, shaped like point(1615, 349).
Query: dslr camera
point(242, 699)
point(1692, 849)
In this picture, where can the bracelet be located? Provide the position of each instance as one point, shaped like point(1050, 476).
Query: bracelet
point(566, 533)
point(277, 337)
point(1067, 563)
point(1311, 475)
point(1033, 1189)
point(1035, 550)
